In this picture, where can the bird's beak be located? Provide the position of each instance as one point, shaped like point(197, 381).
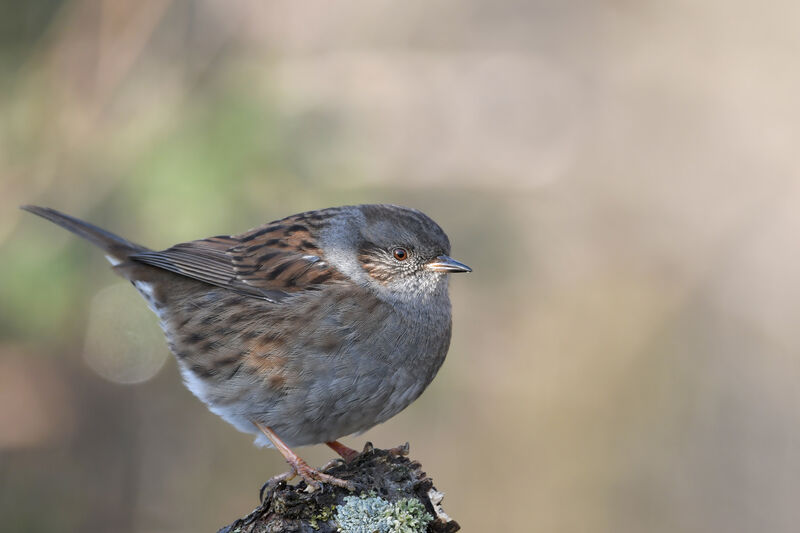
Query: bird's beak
point(444, 263)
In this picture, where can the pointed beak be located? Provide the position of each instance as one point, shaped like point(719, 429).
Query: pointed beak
point(444, 263)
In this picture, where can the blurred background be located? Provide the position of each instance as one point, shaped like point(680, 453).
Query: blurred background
point(622, 176)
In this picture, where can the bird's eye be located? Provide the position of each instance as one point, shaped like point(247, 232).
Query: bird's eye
point(400, 254)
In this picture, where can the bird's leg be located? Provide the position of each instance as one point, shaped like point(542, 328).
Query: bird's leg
point(348, 454)
point(314, 478)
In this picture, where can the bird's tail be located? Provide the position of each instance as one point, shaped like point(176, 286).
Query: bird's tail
point(117, 249)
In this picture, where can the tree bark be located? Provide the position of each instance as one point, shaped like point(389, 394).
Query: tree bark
point(393, 495)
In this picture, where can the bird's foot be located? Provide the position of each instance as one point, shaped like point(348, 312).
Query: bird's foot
point(400, 451)
point(315, 478)
point(273, 482)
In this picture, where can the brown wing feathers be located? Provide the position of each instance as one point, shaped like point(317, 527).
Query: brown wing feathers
point(269, 262)
point(280, 256)
point(205, 260)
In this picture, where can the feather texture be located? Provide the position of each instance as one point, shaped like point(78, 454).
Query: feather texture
point(307, 325)
point(268, 262)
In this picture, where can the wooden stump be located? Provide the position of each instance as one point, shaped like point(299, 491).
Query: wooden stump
point(393, 495)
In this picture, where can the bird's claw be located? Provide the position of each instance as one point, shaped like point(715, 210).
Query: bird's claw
point(273, 483)
point(401, 450)
point(338, 461)
point(315, 478)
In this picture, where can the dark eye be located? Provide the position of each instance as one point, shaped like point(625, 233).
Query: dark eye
point(400, 254)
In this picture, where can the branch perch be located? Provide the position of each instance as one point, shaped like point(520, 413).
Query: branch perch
point(393, 495)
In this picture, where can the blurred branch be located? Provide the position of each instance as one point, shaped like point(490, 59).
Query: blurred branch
point(393, 495)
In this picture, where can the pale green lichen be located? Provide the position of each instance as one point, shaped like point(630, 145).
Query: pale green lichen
point(325, 514)
point(369, 513)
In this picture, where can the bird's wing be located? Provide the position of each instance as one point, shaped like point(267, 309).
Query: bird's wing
point(269, 262)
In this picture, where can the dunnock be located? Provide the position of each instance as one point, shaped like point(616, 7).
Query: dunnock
point(303, 330)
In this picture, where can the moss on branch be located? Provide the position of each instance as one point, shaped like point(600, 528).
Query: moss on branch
point(393, 495)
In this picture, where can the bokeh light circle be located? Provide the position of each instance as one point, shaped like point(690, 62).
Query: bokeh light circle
point(123, 341)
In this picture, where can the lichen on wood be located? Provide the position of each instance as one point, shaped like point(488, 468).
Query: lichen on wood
point(393, 495)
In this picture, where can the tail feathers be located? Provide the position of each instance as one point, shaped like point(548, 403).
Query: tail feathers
point(116, 248)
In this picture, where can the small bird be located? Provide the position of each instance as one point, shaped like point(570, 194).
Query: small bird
point(303, 330)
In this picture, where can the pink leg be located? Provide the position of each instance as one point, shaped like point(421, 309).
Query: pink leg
point(314, 478)
point(348, 454)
